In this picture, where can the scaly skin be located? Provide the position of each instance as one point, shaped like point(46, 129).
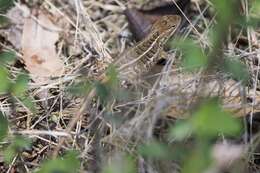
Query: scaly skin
point(139, 59)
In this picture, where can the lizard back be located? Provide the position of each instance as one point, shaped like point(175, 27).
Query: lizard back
point(145, 54)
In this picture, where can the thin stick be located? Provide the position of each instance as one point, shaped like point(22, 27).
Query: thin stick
point(73, 122)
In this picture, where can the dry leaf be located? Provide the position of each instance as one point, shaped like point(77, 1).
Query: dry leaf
point(141, 19)
point(225, 154)
point(38, 47)
point(139, 23)
point(183, 89)
point(13, 33)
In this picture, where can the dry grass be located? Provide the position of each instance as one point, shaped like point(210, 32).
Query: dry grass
point(95, 31)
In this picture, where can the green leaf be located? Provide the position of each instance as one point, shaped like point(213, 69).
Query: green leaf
point(28, 103)
point(226, 10)
point(121, 164)
point(155, 150)
point(193, 58)
point(5, 83)
point(67, 164)
point(9, 154)
point(102, 92)
point(198, 160)
point(114, 118)
point(81, 88)
point(210, 120)
point(181, 130)
point(236, 69)
point(112, 75)
point(112, 85)
point(19, 143)
point(4, 21)
point(5, 5)
point(255, 9)
point(253, 22)
point(3, 126)
point(6, 57)
point(21, 85)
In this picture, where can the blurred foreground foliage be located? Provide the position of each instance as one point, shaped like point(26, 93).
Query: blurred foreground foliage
point(207, 123)
point(15, 87)
point(4, 6)
point(69, 163)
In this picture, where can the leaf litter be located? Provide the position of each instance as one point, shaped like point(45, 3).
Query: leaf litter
point(39, 50)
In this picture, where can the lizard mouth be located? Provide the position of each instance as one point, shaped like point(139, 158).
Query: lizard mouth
point(169, 32)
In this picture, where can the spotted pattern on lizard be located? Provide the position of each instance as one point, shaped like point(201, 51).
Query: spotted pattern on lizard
point(146, 53)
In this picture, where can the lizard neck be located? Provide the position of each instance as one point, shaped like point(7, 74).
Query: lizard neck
point(144, 55)
point(148, 49)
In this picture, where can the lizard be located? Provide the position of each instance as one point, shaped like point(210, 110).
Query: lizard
point(138, 60)
point(141, 58)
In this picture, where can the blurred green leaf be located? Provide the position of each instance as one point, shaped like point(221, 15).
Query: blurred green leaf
point(227, 14)
point(5, 5)
point(103, 92)
point(3, 126)
point(19, 143)
point(198, 160)
point(9, 154)
point(5, 83)
point(155, 150)
point(6, 57)
point(181, 130)
point(112, 85)
point(255, 9)
point(210, 120)
point(67, 164)
point(81, 88)
point(253, 22)
point(4, 21)
point(28, 103)
point(244, 21)
point(226, 10)
point(121, 164)
point(112, 74)
point(121, 94)
point(236, 69)
point(114, 118)
point(20, 85)
point(193, 57)
point(181, 150)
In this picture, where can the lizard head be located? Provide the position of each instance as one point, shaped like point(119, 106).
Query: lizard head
point(167, 24)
